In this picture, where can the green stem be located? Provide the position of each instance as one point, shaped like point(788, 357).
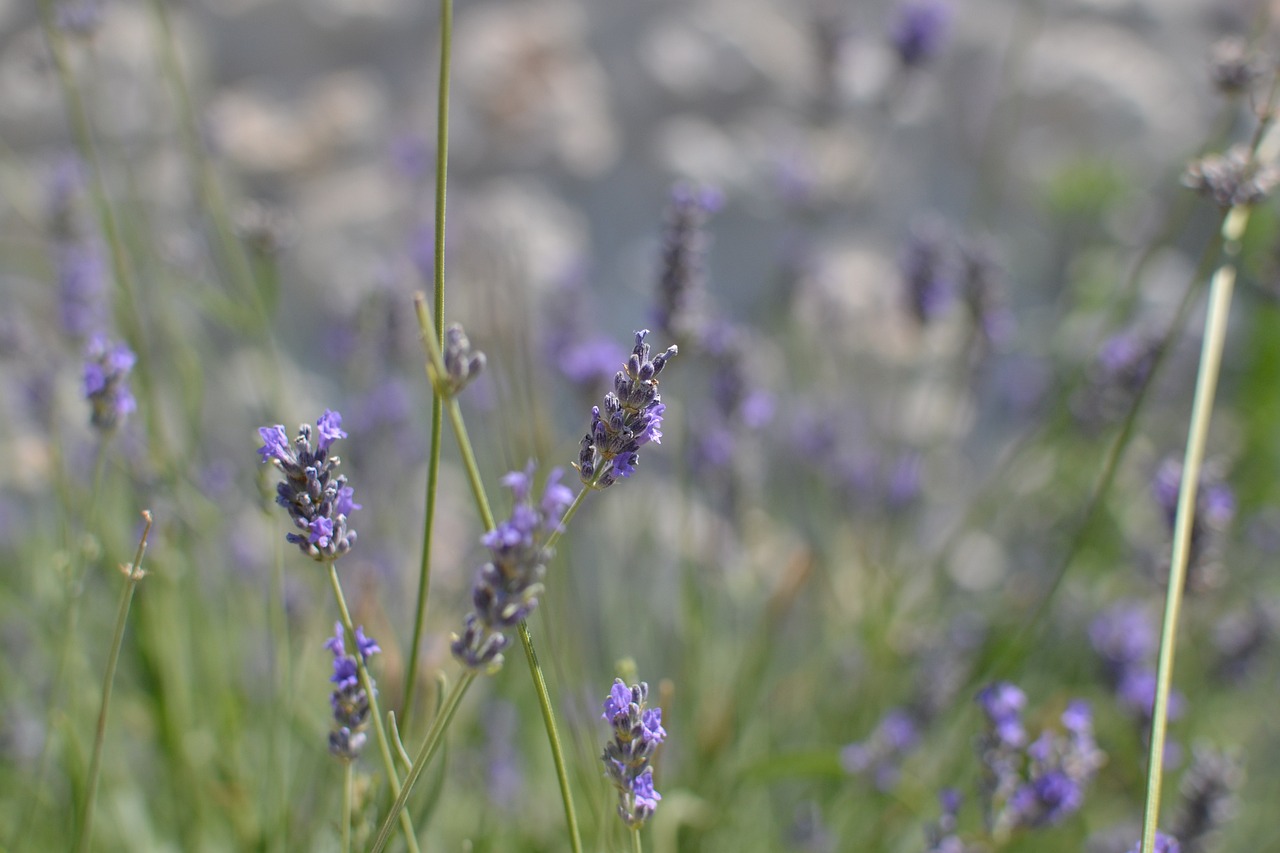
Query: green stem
point(429, 747)
point(636, 846)
point(553, 736)
point(134, 574)
point(433, 458)
point(375, 714)
point(1197, 433)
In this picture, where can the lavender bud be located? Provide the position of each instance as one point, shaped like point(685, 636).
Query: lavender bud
point(461, 363)
point(106, 370)
point(1234, 179)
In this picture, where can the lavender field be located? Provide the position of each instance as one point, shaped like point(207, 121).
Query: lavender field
point(815, 426)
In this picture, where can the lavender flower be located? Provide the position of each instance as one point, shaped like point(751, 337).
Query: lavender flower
point(461, 363)
point(637, 732)
point(318, 501)
point(82, 276)
point(106, 370)
point(1163, 844)
point(919, 30)
point(928, 272)
point(1215, 508)
point(1233, 179)
point(631, 418)
point(1208, 798)
point(349, 700)
point(1043, 782)
point(941, 836)
point(882, 753)
point(684, 244)
point(506, 588)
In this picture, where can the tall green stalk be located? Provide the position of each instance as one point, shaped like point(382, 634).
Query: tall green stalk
point(437, 401)
point(133, 574)
point(1215, 330)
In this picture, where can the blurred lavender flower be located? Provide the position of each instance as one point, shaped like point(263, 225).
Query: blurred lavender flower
point(637, 732)
point(349, 700)
point(1163, 844)
point(919, 29)
point(589, 362)
point(506, 588)
point(980, 286)
point(65, 182)
point(941, 836)
point(1118, 374)
point(632, 418)
point(1208, 798)
point(1215, 508)
point(681, 281)
point(1124, 637)
point(106, 370)
point(79, 17)
point(1233, 179)
point(1040, 783)
point(1240, 638)
point(318, 502)
point(82, 277)
point(928, 272)
point(881, 754)
point(1232, 67)
point(738, 401)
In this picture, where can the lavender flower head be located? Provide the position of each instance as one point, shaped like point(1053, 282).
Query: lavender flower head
point(506, 588)
point(928, 272)
point(461, 363)
point(882, 753)
point(919, 29)
point(106, 370)
point(637, 732)
point(349, 700)
point(684, 245)
point(318, 501)
point(631, 418)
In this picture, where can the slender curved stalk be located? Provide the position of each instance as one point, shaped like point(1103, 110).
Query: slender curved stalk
point(433, 458)
point(133, 574)
point(636, 846)
point(429, 746)
point(1197, 433)
point(380, 732)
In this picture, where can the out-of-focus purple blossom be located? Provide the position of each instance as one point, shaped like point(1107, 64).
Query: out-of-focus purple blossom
point(980, 285)
point(882, 753)
point(1136, 693)
point(681, 281)
point(506, 588)
point(1240, 639)
point(906, 478)
point(1214, 511)
point(637, 733)
point(1120, 371)
point(106, 371)
point(1163, 844)
point(79, 17)
point(919, 29)
point(1039, 784)
point(1233, 67)
point(66, 181)
point(928, 272)
point(318, 501)
point(941, 836)
point(349, 700)
point(590, 362)
point(387, 404)
point(1124, 636)
point(630, 418)
point(1208, 798)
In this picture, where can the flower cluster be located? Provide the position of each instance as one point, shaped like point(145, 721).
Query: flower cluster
point(881, 754)
point(319, 502)
point(941, 836)
point(1117, 376)
point(506, 588)
point(349, 700)
point(684, 244)
point(637, 732)
point(106, 369)
point(1036, 784)
point(461, 363)
point(630, 419)
point(1233, 179)
point(919, 30)
point(1124, 638)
